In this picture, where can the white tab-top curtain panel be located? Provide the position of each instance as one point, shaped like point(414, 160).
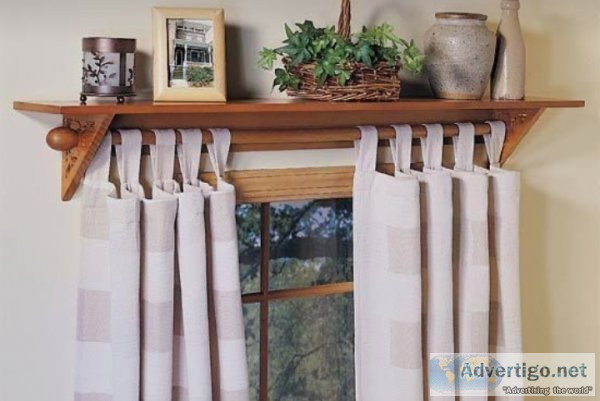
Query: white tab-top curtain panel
point(503, 229)
point(435, 262)
point(387, 280)
point(436, 269)
point(436, 246)
point(142, 323)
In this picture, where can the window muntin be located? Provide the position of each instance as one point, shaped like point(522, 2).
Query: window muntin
point(296, 272)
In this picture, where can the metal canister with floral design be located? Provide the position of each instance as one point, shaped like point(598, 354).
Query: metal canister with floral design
point(108, 68)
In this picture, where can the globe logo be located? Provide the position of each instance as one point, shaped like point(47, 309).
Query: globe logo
point(463, 374)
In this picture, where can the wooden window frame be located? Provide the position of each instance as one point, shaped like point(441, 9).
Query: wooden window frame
point(265, 295)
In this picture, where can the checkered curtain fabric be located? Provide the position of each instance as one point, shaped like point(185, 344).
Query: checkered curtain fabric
point(143, 329)
point(387, 280)
point(470, 249)
point(192, 377)
point(503, 229)
point(435, 261)
point(436, 250)
point(93, 365)
point(436, 269)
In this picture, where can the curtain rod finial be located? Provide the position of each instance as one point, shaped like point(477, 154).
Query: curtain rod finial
point(62, 138)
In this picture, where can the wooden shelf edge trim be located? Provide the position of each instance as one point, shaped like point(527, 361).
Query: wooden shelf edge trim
point(282, 106)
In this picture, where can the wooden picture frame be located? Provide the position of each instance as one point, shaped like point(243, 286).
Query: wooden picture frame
point(189, 54)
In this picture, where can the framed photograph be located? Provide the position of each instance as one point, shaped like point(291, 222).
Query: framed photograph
point(189, 54)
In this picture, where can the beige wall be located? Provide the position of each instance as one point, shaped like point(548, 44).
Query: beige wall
point(39, 59)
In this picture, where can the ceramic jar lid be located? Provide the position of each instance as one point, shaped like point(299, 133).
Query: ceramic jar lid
point(455, 15)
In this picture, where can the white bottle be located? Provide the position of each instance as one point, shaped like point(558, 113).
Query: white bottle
point(508, 80)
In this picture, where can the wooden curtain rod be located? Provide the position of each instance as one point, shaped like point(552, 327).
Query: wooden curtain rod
point(297, 136)
point(64, 139)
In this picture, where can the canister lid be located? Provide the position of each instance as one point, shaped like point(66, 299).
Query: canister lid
point(108, 45)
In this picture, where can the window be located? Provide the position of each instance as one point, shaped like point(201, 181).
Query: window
point(198, 55)
point(296, 274)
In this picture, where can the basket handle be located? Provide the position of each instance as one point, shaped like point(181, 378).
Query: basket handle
point(344, 21)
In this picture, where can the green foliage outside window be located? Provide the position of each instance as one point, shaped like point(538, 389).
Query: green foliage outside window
point(311, 340)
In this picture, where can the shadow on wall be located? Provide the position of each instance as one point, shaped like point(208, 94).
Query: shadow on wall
point(240, 65)
point(143, 74)
point(535, 309)
point(412, 85)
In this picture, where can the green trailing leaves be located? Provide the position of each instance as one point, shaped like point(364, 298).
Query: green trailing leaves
point(363, 53)
point(285, 80)
point(412, 58)
point(334, 55)
point(266, 58)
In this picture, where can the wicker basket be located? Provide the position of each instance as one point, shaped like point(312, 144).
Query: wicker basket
point(379, 83)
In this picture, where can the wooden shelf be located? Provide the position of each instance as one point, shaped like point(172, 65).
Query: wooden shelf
point(272, 124)
point(284, 106)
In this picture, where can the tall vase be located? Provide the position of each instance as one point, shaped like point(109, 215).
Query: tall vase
point(508, 82)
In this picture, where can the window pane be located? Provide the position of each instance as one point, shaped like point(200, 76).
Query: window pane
point(311, 349)
point(248, 227)
point(252, 324)
point(310, 243)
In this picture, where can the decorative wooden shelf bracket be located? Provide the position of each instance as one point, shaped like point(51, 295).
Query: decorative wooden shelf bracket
point(89, 132)
point(517, 126)
point(271, 125)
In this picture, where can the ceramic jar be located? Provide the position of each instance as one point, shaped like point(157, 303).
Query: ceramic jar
point(459, 52)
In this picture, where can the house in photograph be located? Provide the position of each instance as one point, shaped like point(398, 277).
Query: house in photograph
point(190, 52)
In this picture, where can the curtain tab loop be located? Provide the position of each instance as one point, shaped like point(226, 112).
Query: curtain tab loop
point(464, 147)
point(129, 154)
point(162, 155)
point(432, 146)
point(188, 153)
point(218, 150)
point(494, 141)
point(401, 148)
point(366, 148)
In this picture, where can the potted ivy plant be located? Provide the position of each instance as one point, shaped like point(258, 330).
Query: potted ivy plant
point(325, 64)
